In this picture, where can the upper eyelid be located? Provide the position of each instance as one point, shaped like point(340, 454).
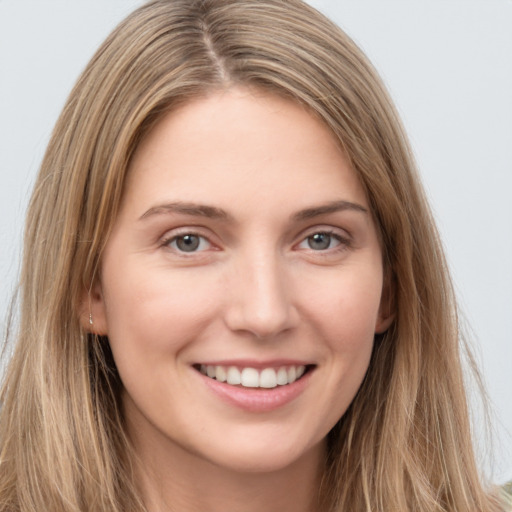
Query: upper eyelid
point(185, 230)
point(325, 228)
point(212, 238)
point(343, 240)
point(168, 240)
point(174, 240)
point(170, 236)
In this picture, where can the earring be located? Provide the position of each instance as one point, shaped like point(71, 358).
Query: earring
point(90, 319)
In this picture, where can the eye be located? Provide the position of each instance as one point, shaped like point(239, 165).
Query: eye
point(321, 241)
point(188, 242)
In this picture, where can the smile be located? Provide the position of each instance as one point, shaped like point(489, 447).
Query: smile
point(247, 377)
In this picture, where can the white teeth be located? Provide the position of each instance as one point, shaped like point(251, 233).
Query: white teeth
point(233, 376)
point(292, 374)
point(282, 377)
point(250, 378)
point(221, 375)
point(267, 378)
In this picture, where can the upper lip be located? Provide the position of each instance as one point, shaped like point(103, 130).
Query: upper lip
point(256, 364)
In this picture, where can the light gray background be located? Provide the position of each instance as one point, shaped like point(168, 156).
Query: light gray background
point(448, 65)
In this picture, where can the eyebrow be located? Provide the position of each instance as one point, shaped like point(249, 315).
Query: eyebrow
point(212, 212)
point(332, 207)
point(193, 209)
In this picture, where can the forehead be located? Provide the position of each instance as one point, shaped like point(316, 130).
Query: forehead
point(242, 143)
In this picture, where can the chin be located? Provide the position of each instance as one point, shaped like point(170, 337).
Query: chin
point(270, 456)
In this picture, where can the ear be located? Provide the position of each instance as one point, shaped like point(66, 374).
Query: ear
point(387, 307)
point(93, 315)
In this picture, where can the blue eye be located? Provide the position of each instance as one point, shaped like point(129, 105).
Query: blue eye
point(320, 241)
point(189, 242)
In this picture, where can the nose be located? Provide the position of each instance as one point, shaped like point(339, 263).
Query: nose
point(260, 298)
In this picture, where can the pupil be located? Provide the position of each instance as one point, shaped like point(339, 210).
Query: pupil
point(187, 243)
point(319, 241)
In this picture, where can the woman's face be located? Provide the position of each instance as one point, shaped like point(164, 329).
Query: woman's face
point(244, 249)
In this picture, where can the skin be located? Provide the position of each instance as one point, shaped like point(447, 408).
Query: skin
point(258, 288)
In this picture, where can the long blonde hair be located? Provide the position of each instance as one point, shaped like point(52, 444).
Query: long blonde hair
point(405, 443)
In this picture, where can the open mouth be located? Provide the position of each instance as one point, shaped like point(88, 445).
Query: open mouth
point(247, 377)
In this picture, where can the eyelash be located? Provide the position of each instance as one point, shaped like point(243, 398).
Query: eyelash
point(343, 242)
point(175, 237)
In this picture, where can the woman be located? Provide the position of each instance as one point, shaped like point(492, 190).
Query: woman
point(233, 293)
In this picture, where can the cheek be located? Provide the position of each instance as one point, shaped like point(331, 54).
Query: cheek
point(345, 306)
point(347, 326)
point(156, 312)
point(344, 312)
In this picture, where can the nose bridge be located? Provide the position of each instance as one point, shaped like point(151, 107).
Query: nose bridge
point(260, 298)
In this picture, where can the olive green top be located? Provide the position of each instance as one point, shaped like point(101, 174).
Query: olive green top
point(508, 492)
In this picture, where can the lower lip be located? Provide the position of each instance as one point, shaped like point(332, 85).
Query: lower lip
point(258, 399)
